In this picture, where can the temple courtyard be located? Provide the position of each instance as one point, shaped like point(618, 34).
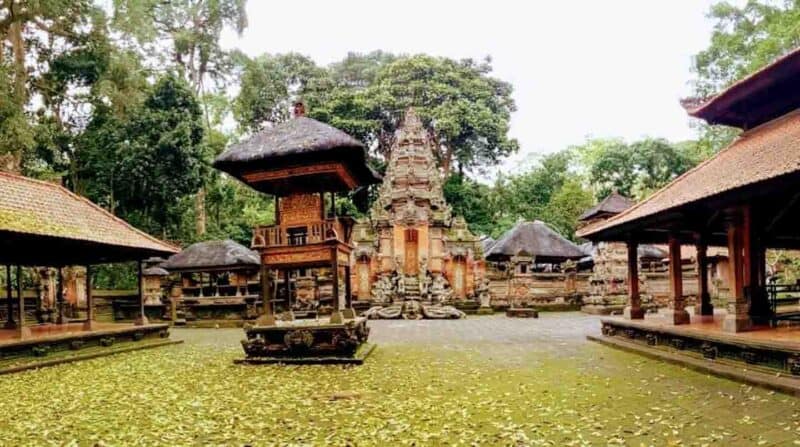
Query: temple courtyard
point(483, 380)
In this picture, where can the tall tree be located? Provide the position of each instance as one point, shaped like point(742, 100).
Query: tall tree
point(191, 30)
point(745, 38)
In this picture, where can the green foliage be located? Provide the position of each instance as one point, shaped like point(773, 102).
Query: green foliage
point(745, 38)
point(466, 109)
point(472, 201)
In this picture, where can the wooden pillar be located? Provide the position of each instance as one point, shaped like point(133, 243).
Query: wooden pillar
point(336, 314)
point(678, 314)
point(89, 323)
point(703, 305)
point(754, 258)
point(287, 279)
point(142, 320)
point(738, 318)
point(24, 331)
point(60, 296)
point(633, 311)
point(268, 318)
point(10, 323)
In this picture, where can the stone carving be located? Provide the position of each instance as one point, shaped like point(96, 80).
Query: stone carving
point(483, 293)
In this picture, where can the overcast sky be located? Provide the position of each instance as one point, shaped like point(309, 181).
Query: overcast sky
point(610, 68)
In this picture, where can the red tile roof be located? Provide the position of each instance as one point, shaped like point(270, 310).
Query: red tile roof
point(763, 153)
point(756, 99)
point(36, 208)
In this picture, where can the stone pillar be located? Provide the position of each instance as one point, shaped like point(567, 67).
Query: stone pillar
point(142, 319)
point(348, 297)
point(678, 314)
point(24, 331)
point(268, 318)
point(10, 323)
point(633, 311)
point(89, 323)
point(738, 318)
point(60, 297)
point(703, 305)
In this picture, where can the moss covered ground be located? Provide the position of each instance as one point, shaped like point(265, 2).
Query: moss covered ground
point(488, 381)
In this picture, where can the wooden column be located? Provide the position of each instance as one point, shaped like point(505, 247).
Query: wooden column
point(142, 320)
point(703, 305)
point(24, 331)
point(10, 323)
point(633, 311)
point(678, 314)
point(336, 314)
point(738, 318)
point(268, 318)
point(60, 296)
point(89, 323)
point(287, 281)
point(754, 258)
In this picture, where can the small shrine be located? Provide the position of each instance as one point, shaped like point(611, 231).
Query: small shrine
point(303, 163)
point(532, 265)
point(413, 258)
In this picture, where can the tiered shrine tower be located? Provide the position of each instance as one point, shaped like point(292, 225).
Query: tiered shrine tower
point(411, 247)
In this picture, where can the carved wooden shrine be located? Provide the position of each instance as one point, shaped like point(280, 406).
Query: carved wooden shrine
point(303, 163)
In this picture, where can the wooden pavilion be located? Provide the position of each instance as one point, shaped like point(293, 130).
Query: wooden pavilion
point(303, 163)
point(43, 224)
point(746, 198)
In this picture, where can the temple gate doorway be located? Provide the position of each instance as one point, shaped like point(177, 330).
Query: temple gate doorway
point(412, 243)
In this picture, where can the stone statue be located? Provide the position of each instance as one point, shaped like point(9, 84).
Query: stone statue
point(483, 293)
point(440, 289)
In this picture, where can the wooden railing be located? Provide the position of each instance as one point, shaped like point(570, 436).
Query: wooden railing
point(299, 234)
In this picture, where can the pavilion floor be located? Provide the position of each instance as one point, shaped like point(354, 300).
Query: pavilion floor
point(50, 344)
point(768, 356)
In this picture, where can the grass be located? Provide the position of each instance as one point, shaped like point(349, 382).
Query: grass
point(405, 394)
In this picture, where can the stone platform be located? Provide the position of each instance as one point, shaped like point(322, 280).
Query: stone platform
point(308, 341)
point(769, 350)
point(50, 344)
point(522, 312)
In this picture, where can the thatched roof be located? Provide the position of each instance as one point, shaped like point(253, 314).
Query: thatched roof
point(154, 271)
point(42, 223)
point(614, 204)
point(213, 255)
point(486, 243)
point(298, 141)
point(534, 239)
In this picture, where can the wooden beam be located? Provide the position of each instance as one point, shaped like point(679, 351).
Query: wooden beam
point(633, 311)
point(89, 323)
point(10, 324)
point(678, 314)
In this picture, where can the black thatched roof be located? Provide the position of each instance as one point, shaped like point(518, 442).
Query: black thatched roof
point(486, 243)
point(646, 251)
point(213, 255)
point(535, 239)
point(298, 141)
point(155, 271)
point(614, 204)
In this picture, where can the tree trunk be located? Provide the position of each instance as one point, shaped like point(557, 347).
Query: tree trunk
point(18, 50)
point(200, 211)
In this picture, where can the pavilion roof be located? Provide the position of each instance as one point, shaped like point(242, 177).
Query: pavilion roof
point(760, 97)
point(534, 239)
point(213, 255)
point(42, 223)
point(614, 203)
point(298, 141)
point(760, 155)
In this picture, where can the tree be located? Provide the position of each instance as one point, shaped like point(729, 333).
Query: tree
point(745, 38)
point(466, 110)
point(144, 166)
point(471, 200)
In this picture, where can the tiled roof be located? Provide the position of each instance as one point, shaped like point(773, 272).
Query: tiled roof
point(763, 153)
point(36, 208)
point(614, 203)
point(756, 99)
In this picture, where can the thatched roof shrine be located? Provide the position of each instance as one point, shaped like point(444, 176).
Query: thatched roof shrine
point(260, 159)
point(534, 239)
point(213, 255)
point(613, 204)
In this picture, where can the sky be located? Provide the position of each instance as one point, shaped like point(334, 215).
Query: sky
point(580, 69)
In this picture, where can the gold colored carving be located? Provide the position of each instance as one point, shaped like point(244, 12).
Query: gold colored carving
point(300, 208)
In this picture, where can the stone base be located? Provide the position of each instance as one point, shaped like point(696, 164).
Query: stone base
point(363, 351)
point(485, 311)
point(732, 323)
point(304, 340)
point(633, 313)
point(522, 312)
point(602, 309)
point(678, 316)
